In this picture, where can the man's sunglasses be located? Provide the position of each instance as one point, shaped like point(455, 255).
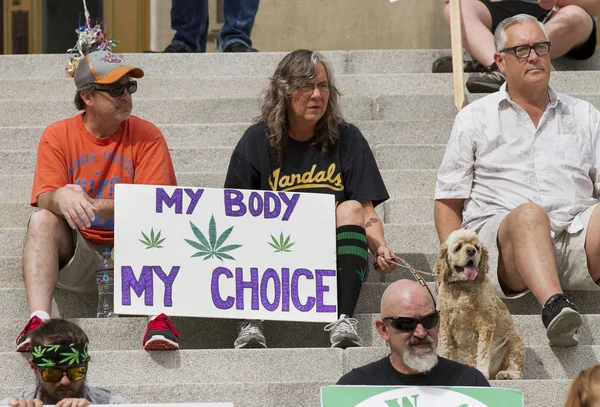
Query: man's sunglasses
point(54, 375)
point(407, 324)
point(117, 89)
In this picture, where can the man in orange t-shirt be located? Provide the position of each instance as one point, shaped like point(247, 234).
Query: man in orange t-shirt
point(79, 161)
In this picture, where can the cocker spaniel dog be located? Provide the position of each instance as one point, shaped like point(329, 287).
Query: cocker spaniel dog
point(475, 325)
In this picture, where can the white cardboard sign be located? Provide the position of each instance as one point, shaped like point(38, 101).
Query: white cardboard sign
point(225, 253)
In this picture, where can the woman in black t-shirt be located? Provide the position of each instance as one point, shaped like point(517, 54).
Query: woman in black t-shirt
point(301, 142)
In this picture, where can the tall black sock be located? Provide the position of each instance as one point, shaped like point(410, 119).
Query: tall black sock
point(352, 266)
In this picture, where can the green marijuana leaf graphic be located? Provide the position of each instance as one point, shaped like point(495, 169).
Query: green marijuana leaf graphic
point(154, 241)
point(281, 245)
point(213, 247)
point(85, 356)
point(363, 274)
point(38, 352)
point(47, 363)
point(71, 358)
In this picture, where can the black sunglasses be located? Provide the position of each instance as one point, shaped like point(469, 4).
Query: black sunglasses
point(117, 89)
point(407, 324)
point(523, 51)
point(55, 375)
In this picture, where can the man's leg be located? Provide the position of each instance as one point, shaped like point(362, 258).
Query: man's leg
point(569, 28)
point(49, 246)
point(239, 20)
point(478, 38)
point(527, 261)
point(189, 19)
point(592, 245)
point(352, 271)
point(527, 253)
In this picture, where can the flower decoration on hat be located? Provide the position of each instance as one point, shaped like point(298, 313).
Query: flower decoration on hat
point(89, 39)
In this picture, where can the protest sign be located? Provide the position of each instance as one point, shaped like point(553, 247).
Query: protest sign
point(225, 253)
point(419, 396)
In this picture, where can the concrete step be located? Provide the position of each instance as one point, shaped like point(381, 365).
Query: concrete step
point(126, 333)
point(416, 238)
point(588, 302)
point(530, 328)
point(175, 111)
point(301, 394)
point(399, 183)
point(232, 87)
point(388, 156)
point(541, 362)
point(271, 365)
point(236, 110)
point(228, 134)
point(215, 366)
point(402, 211)
point(256, 64)
point(67, 304)
point(421, 60)
point(371, 85)
point(164, 65)
point(274, 394)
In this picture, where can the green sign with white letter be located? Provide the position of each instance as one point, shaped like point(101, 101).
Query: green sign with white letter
point(419, 396)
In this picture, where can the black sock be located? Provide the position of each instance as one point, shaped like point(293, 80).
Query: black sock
point(352, 266)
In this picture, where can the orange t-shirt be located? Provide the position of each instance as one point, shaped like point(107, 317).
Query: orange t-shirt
point(68, 154)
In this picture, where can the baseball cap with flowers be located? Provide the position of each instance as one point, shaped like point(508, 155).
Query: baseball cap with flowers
point(103, 67)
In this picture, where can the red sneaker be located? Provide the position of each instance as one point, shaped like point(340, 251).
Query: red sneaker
point(23, 340)
point(161, 334)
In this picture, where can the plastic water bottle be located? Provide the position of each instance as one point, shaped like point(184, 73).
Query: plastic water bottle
point(105, 284)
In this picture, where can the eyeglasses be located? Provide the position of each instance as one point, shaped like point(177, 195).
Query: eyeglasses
point(407, 324)
point(523, 51)
point(55, 375)
point(117, 89)
point(310, 88)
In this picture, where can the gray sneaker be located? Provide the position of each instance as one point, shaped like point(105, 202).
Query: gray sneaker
point(342, 333)
point(250, 335)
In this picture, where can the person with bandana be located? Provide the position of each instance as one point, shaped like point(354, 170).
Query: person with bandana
point(59, 360)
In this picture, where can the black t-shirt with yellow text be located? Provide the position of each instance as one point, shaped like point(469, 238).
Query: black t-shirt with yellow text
point(349, 171)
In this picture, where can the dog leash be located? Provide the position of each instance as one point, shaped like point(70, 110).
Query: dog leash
point(416, 276)
point(407, 266)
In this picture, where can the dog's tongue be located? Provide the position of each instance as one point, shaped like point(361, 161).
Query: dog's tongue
point(470, 272)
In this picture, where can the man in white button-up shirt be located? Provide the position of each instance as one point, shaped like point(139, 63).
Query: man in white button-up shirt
point(522, 169)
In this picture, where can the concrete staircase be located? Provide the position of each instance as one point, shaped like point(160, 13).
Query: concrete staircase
point(203, 103)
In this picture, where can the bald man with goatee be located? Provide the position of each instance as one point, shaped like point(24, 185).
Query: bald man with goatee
point(409, 323)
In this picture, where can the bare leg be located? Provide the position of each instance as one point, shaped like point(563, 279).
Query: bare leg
point(49, 245)
point(570, 27)
point(349, 213)
point(592, 245)
point(478, 38)
point(527, 253)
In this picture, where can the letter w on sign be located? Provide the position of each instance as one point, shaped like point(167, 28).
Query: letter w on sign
point(457, 52)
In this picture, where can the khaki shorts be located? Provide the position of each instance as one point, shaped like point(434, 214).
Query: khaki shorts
point(569, 253)
point(79, 274)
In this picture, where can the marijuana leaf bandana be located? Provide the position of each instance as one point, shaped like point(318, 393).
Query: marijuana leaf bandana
point(60, 355)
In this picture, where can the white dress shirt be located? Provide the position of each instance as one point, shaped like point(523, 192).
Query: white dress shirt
point(497, 159)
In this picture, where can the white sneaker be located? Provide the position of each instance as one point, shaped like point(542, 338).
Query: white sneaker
point(250, 335)
point(342, 333)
